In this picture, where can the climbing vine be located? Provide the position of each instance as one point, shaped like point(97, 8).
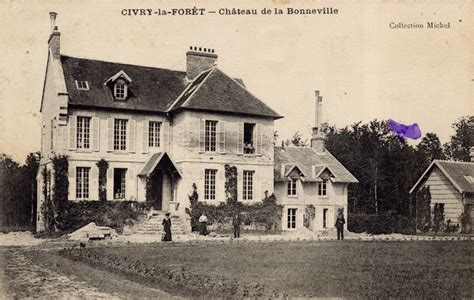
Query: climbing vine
point(465, 218)
point(103, 165)
point(60, 188)
point(46, 209)
point(230, 184)
point(423, 209)
point(309, 215)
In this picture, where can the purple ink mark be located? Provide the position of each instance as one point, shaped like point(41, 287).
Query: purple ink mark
point(405, 131)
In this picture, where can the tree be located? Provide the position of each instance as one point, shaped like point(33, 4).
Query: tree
point(431, 147)
point(297, 140)
point(459, 146)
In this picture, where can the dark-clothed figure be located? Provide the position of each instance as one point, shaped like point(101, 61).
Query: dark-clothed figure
point(236, 223)
point(167, 228)
point(203, 222)
point(340, 225)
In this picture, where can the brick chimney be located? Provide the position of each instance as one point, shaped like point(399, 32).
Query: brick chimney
point(54, 38)
point(318, 138)
point(199, 59)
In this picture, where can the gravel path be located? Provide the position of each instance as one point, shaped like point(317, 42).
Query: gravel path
point(21, 278)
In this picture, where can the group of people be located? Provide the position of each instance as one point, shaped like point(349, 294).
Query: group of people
point(236, 221)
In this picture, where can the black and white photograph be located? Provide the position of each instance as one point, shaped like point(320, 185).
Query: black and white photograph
point(236, 149)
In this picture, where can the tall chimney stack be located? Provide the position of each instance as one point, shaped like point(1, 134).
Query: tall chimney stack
point(199, 59)
point(318, 137)
point(54, 37)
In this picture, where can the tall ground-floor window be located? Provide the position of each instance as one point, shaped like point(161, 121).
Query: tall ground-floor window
point(119, 183)
point(325, 218)
point(210, 184)
point(291, 218)
point(82, 183)
point(247, 191)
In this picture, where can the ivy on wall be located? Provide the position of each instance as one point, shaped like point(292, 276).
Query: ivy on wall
point(230, 184)
point(309, 215)
point(47, 209)
point(60, 188)
point(423, 209)
point(465, 218)
point(103, 165)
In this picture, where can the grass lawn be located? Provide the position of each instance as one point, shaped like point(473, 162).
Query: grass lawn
point(428, 269)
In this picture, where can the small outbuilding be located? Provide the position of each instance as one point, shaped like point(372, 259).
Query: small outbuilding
point(451, 185)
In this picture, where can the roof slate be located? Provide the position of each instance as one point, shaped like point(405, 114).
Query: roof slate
point(305, 158)
point(152, 89)
point(456, 172)
point(215, 91)
point(160, 90)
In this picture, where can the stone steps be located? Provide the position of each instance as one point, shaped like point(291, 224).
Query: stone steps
point(154, 225)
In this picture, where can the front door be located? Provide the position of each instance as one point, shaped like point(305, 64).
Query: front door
point(156, 192)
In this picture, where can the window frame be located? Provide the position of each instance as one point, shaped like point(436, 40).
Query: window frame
point(123, 184)
point(249, 148)
point(83, 183)
point(82, 85)
point(210, 135)
point(120, 89)
point(291, 218)
point(323, 188)
point(83, 132)
point(120, 134)
point(154, 132)
point(292, 190)
point(210, 180)
point(248, 180)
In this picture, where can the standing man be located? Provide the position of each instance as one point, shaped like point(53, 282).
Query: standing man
point(203, 222)
point(340, 225)
point(236, 224)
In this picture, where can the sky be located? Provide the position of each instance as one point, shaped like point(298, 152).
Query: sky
point(363, 69)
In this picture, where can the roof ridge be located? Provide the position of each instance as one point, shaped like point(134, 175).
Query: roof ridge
point(453, 161)
point(121, 63)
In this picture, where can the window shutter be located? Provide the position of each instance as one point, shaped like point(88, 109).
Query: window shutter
point(221, 125)
point(110, 183)
point(240, 182)
point(145, 136)
point(72, 182)
point(95, 134)
point(94, 183)
point(240, 138)
point(220, 189)
point(257, 188)
point(72, 132)
point(110, 134)
point(165, 134)
point(202, 133)
point(130, 185)
point(258, 139)
point(131, 136)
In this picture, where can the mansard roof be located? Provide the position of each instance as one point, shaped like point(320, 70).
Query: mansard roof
point(311, 163)
point(160, 90)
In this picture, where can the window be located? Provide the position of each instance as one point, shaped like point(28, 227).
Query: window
point(82, 183)
point(247, 191)
point(210, 184)
point(249, 147)
point(210, 136)
point(325, 217)
point(154, 134)
point(120, 134)
point(120, 89)
point(119, 183)
point(291, 218)
point(292, 186)
point(83, 132)
point(82, 85)
point(322, 188)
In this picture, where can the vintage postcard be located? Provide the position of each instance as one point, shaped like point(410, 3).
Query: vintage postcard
point(236, 149)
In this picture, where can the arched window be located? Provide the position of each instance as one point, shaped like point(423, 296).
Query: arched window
point(120, 89)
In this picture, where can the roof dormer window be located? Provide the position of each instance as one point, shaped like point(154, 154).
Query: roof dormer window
point(119, 85)
point(82, 85)
point(120, 89)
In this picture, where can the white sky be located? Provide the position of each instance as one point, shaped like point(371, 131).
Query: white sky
point(364, 69)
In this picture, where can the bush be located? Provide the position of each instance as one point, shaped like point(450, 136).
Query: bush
point(111, 214)
point(380, 224)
